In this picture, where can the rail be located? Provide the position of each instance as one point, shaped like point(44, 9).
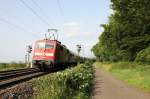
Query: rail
point(9, 78)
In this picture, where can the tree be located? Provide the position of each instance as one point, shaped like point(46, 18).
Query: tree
point(127, 32)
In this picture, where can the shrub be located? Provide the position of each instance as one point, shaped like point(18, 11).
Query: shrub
point(73, 83)
point(143, 56)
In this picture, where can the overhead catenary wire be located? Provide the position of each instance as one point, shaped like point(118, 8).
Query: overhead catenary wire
point(4, 20)
point(41, 10)
point(61, 11)
point(59, 6)
point(34, 12)
point(14, 25)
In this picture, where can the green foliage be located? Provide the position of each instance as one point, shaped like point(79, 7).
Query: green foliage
point(127, 32)
point(143, 56)
point(11, 66)
point(73, 83)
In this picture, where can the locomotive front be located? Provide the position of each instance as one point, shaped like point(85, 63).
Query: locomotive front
point(44, 54)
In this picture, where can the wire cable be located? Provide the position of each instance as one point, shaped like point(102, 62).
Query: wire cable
point(14, 17)
point(59, 5)
point(43, 13)
point(35, 13)
point(15, 26)
point(60, 8)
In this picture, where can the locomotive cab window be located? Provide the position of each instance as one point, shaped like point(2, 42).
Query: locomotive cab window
point(43, 45)
point(49, 46)
point(40, 45)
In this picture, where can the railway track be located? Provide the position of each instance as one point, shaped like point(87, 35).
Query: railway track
point(9, 78)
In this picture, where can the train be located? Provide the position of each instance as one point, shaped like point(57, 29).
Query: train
point(49, 54)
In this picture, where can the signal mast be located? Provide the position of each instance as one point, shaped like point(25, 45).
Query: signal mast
point(78, 49)
point(27, 56)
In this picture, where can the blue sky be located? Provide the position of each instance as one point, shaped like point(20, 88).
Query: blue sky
point(77, 21)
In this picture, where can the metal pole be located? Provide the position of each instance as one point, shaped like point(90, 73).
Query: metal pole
point(29, 50)
point(78, 48)
point(26, 61)
point(83, 51)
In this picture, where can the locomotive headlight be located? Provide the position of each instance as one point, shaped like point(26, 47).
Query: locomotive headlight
point(49, 54)
point(37, 53)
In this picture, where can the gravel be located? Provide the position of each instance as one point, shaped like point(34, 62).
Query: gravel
point(20, 91)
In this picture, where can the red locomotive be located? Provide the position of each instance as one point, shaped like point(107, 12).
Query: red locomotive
point(50, 54)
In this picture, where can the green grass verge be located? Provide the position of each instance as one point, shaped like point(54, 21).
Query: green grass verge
point(11, 66)
point(133, 73)
point(73, 83)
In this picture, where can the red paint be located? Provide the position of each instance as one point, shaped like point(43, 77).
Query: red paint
point(40, 53)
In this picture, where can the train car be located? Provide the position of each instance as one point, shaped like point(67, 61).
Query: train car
point(50, 54)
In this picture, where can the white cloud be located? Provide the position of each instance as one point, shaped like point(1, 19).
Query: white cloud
point(72, 33)
point(71, 24)
point(75, 29)
point(71, 29)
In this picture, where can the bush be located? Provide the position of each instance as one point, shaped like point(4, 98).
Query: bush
point(143, 56)
point(73, 83)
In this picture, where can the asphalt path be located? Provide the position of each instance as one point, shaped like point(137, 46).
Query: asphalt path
point(109, 87)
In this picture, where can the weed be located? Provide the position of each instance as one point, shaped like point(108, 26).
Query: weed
point(73, 83)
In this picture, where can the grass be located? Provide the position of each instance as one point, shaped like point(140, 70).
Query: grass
point(135, 74)
point(11, 66)
point(73, 83)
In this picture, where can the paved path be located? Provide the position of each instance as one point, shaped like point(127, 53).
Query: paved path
point(108, 87)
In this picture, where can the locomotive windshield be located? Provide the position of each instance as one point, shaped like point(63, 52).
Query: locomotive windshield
point(49, 46)
point(40, 45)
point(43, 45)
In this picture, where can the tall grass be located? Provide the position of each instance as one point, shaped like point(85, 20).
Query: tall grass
point(11, 66)
point(135, 74)
point(73, 83)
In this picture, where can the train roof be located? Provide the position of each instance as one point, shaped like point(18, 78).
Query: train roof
point(49, 40)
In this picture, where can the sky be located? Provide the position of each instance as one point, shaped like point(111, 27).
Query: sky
point(22, 22)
